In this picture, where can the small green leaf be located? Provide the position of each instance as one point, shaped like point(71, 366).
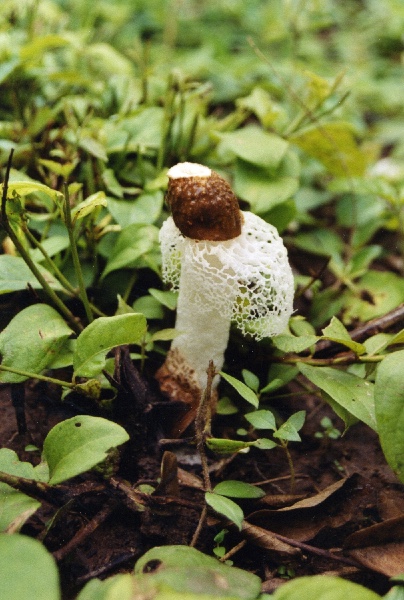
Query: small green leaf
point(102, 335)
point(27, 569)
point(164, 335)
point(238, 489)
point(167, 299)
point(291, 343)
point(244, 391)
point(32, 340)
point(337, 332)
point(224, 446)
point(78, 444)
point(251, 380)
point(261, 419)
point(265, 444)
point(226, 407)
point(88, 206)
point(225, 507)
point(389, 404)
point(289, 429)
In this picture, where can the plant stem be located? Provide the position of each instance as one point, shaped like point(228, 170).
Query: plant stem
point(60, 305)
point(347, 359)
point(284, 445)
point(69, 289)
point(30, 375)
point(75, 256)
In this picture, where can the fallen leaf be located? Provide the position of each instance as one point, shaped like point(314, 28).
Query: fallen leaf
point(266, 539)
point(306, 518)
point(379, 547)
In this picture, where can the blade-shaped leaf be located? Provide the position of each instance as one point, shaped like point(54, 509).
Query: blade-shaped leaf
point(225, 507)
point(351, 392)
point(389, 404)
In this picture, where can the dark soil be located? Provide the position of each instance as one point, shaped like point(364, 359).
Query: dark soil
point(102, 524)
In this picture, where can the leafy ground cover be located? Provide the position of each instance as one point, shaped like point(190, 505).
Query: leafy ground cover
point(299, 106)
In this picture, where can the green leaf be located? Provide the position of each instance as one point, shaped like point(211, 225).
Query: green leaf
point(323, 242)
point(337, 332)
point(185, 570)
point(15, 507)
point(289, 429)
point(265, 190)
point(117, 587)
point(265, 444)
point(102, 335)
point(78, 444)
point(225, 446)
point(133, 242)
point(251, 380)
point(389, 404)
point(253, 145)
point(167, 299)
point(15, 275)
point(63, 170)
point(225, 507)
point(335, 146)
point(261, 419)
point(226, 407)
point(32, 340)
point(244, 391)
point(27, 569)
point(23, 188)
point(350, 391)
point(381, 293)
point(145, 209)
point(238, 489)
point(291, 343)
point(88, 206)
point(320, 587)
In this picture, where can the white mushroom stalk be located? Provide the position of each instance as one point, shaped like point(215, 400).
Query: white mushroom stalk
point(228, 266)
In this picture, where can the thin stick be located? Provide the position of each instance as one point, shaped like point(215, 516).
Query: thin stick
point(85, 531)
point(202, 429)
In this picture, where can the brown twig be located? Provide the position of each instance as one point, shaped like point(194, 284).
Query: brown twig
point(85, 531)
point(56, 496)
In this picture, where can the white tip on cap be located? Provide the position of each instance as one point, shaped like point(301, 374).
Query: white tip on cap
point(187, 169)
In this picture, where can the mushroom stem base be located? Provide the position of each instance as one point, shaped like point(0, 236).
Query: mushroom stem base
point(177, 380)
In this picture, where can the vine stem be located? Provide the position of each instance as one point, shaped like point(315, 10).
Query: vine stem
point(75, 256)
point(29, 375)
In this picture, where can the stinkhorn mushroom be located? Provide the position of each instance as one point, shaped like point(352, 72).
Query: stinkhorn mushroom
point(228, 266)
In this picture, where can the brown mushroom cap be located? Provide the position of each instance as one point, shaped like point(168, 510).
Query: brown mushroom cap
point(204, 207)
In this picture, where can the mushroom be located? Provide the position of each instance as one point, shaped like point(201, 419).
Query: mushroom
point(228, 266)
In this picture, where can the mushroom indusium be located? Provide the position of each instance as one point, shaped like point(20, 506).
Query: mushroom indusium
point(228, 266)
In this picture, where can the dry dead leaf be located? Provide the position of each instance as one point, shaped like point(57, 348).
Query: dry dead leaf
point(379, 547)
point(266, 539)
point(305, 518)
